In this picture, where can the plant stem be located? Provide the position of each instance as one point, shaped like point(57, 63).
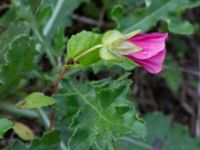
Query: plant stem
point(54, 90)
point(60, 76)
point(86, 52)
point(66, 68)
point(58, 79)
point(46, 124)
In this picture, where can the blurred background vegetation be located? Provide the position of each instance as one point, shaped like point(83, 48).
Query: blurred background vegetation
point(33, 37)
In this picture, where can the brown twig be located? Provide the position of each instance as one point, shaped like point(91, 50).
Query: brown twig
point(55, 88)
point(58, 80)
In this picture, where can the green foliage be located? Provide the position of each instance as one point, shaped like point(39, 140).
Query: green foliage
point(15, 145)
point(180, 139)
point(172, 137)
point(89, 114)
point(60, 16)
point(145, 18)
point(12, 32)
point(161, 134)
point(5, 125)
point(49, 140)
point(19, 61)
point(98, 113)
point(83, 42)
point(35, 100)
point(123, 62)
point(172, 74)
point(59, 41)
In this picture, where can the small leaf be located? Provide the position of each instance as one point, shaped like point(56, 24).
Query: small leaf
point(35, 100)
point(82, 42)
point(5, 125)
point(23, 131)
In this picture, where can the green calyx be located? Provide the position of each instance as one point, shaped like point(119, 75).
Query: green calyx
point(114, 44)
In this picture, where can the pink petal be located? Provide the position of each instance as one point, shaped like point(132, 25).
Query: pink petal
point(153, 64)
point(151, 44)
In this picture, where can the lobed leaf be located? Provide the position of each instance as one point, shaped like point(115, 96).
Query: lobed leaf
point(145, 18)
point(98, 114)
point(18, 63)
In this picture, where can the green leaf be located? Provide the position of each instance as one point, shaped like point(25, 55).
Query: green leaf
point(23, 131)
point(162, 135)
point(35, 100)
point(123, 62)
point(82, 42)
point(98, 113)
point(61, 15)
point(12, 32)
point(180, 27)
point(59, 42)
point(18, 63)
point(172, 74)
point(146, 18)
point(5, 125)
point(49, 140)
point(16, 145)
point(8, 17)
point(160, 129)
point(179, 137)
point(171, 137)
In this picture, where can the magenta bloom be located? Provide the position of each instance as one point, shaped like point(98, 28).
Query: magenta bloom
point(153, 51)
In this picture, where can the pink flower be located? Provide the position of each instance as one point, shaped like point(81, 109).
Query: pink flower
point(153, 51)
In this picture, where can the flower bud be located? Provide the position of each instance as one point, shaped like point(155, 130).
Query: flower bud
point(115, 44)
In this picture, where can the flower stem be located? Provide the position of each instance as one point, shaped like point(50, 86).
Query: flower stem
point(86, 52)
